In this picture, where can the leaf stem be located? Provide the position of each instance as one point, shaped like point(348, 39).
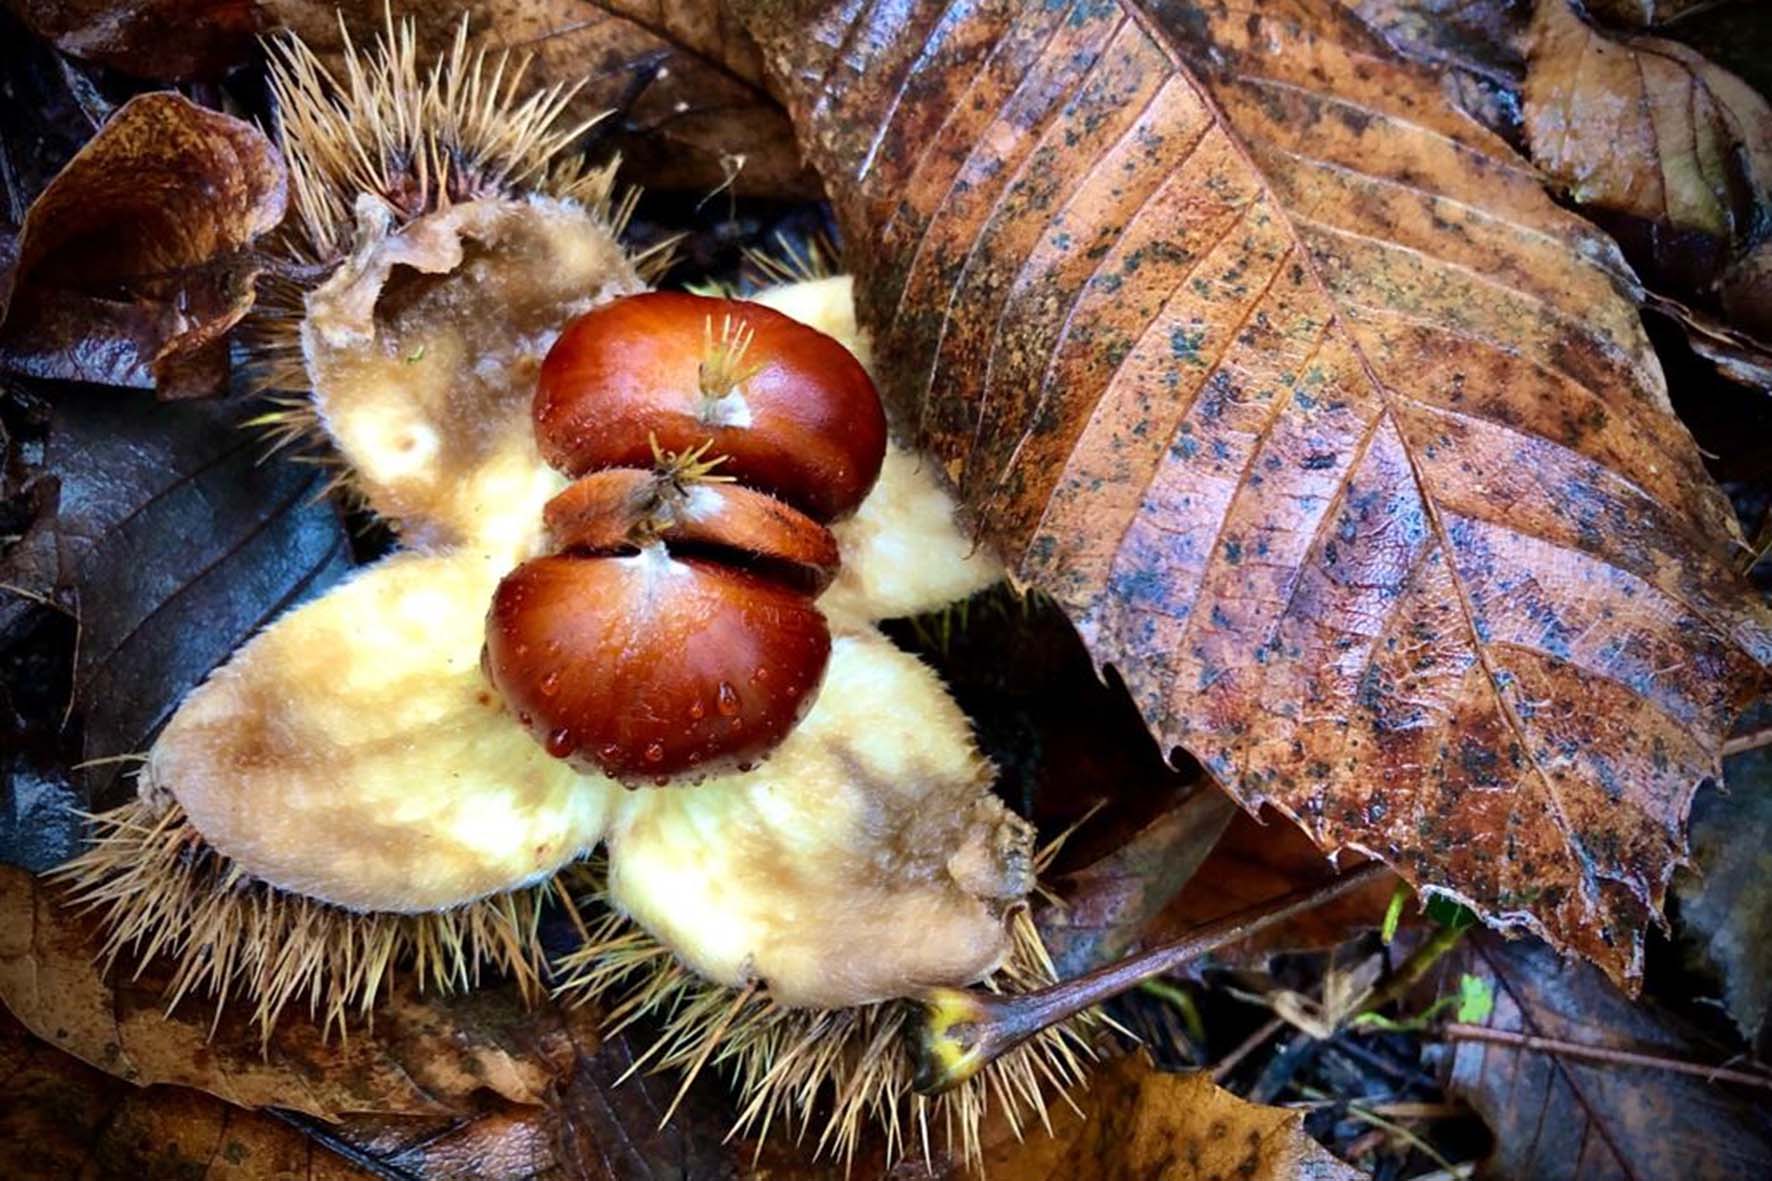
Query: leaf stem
point(963, 1030)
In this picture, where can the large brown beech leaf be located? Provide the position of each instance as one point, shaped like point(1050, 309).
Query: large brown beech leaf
point(1323, 423)
point(1133, 1122)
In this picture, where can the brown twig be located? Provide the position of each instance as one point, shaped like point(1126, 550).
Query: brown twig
point(1550, 1045)
point(964, 1029)
point(1245, 1048)
point(1752, 740)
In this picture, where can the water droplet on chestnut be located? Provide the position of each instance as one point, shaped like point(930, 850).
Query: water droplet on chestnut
point(646, 640)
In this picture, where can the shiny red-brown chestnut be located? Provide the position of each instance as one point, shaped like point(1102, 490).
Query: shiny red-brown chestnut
point(621, 508)
point(791, 410)
point(648, 666)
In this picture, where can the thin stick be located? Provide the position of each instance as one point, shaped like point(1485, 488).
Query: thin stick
point(1367, 1116)
point(1248, 1046)
point(963, 1029)
point(1752, 740)
point(1550, 1045)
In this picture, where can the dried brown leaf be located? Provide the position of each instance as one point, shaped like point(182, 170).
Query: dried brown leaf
point(471, 1086)
point(1262, 859)
point(424, 1054)
point(166, 40)
point(62, 1119)
point(1326, 426)
point(683, 79)
point(132, 264)
point(1137, 1123)
point(1563, 1118)
point(1669, 152)
point(1105, 908)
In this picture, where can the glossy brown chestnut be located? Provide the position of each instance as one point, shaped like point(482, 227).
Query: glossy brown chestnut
point(790, 409)
point(623, 508)
point(649, 666)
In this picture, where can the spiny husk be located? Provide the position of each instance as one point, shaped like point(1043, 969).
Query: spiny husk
point(416, 140)
point(162, 891)
point(833, 1072)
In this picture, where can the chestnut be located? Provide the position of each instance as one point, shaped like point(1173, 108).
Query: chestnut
point(648, 666)
point(791, 410)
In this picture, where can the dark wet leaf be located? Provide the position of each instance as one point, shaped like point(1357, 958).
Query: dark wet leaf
point(132, 265)
point(1642, 14)
point(170, 542)
point(165, 40)
point(1330, 431)
point(1558, 1118)
point(1726, 898)
point(45, 117)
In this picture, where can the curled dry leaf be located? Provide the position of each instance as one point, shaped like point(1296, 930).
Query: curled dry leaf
point(1563, 1118)
point(166, 40)
point(682, 79)
point(131, 265)
point(1323, 423)
point(1135, 1122)
point(1669, 152)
